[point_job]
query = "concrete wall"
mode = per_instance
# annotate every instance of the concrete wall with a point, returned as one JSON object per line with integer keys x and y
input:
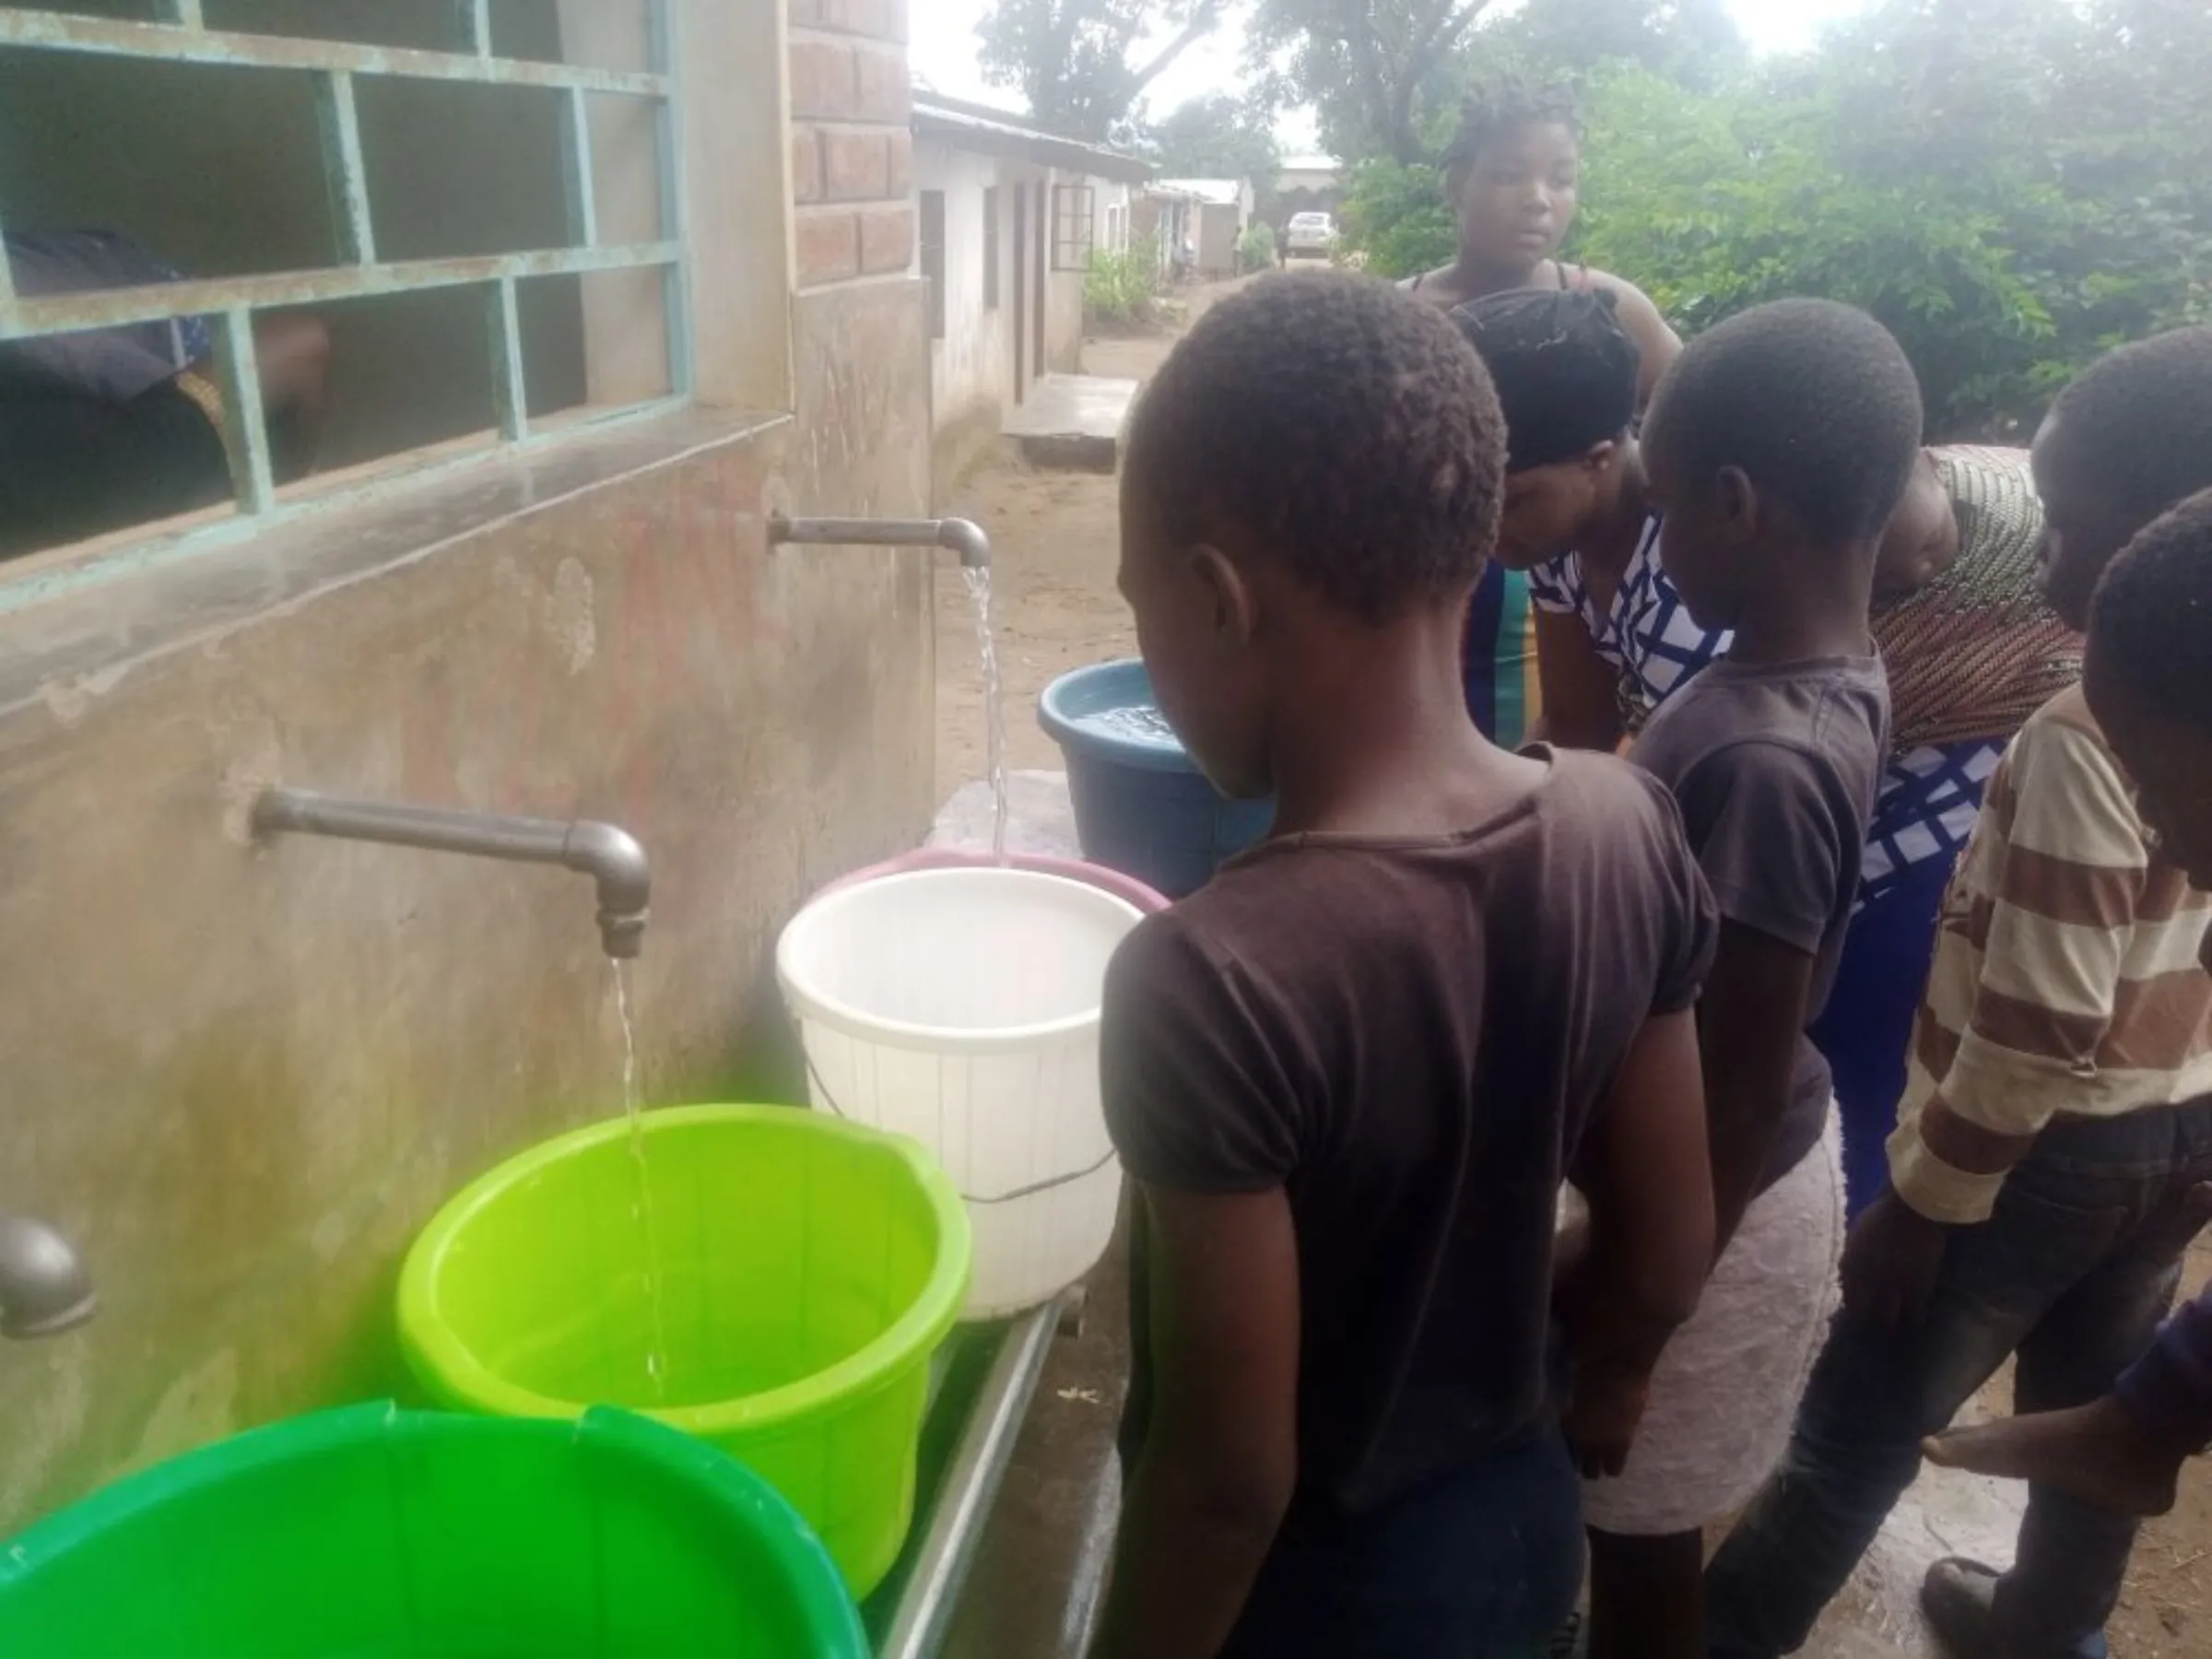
{"x": 241, "y": 1077}
{"x": 972, "y": 368}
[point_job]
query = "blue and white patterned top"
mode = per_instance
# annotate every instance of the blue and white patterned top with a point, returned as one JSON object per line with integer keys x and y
{"x": 1647, "y": 633}
{"x": 1930, "y": 795}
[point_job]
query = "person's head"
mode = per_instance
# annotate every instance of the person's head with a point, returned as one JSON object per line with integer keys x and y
{"x": 1512, "y": 173}
{"x": 1786, "y": 433}
{"x": 2148, "y": 677}
{"x": 1314, "y": 471}
{"x": 1566, "y": 375}
{"x": 2129, "y": 438}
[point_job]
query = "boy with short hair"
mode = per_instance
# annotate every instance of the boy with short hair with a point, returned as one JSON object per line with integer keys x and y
{"x": 1776, "y": 449}
{"x": 2150, "y": 688}
{"x": 1350, "y": 1074}
{"x": 2053, "y": 1131}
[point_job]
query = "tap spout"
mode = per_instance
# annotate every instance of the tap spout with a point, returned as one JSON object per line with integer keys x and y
{"x": 44, "y": 1288}
{"x": 962, "y": 537}
{"x": 611, "y": 856}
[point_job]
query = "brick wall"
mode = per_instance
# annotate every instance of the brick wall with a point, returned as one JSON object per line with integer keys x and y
{"x": 852, "y": 149}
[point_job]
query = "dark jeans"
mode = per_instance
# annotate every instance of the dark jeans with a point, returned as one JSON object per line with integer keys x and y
{"x": 1866, "y": 1030}
{"x": 1482, "y": 1564}
{"x": 2074, "y": 1272}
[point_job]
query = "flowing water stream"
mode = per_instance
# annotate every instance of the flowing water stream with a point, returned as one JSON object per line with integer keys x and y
{"x": 656, "y": 1353}
{"x": 995, "y": 713}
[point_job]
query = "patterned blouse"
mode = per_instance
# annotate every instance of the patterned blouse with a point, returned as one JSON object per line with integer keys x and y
{"x": 1971, "y": 656}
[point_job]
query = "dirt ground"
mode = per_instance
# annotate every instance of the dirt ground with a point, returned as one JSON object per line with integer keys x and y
{"x": 1055, "y": 550}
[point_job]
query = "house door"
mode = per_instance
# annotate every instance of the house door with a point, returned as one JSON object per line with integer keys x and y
{"x": 1021, "y": 288}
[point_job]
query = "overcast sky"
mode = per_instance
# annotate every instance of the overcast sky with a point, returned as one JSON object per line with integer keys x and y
{"x": 944, "y": 48}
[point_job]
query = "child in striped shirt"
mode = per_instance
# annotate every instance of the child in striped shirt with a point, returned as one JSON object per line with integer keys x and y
{"x": 2055, "y": 1126}
{"x": 2150, "y": 686}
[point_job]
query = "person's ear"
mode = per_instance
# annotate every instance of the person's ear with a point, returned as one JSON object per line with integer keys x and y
{"x": 1602, "y": 454}
{"x": 1235, "y": 610}
{"x": 1737, "y": 499}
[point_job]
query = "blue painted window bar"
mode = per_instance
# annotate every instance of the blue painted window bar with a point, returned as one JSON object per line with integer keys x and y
{"x": 182, "y": 35}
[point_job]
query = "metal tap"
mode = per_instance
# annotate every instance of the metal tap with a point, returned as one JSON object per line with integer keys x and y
{"x": 44, "y": 1288}
{"x": 611, "y": 857}
{"x": 960, "y": 535}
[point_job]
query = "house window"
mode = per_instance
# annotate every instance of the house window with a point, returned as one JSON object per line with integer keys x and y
{"x": 1073, "y": 205}
{"x": 990, "y": 248}
{"x": 933, "y": 258}
{"x": 477, "y": 206}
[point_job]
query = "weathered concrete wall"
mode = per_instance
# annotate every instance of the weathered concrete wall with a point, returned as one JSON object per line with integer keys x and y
{"x": 240, "y": 1078}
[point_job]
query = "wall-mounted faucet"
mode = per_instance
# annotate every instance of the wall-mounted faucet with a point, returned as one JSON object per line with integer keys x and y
{"x": 44, "y": 1288}
{"x": 610, "y": 856}
{"x": 960, "y": 535}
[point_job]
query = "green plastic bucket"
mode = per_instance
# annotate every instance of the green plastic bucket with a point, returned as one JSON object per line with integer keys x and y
{"x": 374, "y": 1532}
{"x": 808, "y": 1268}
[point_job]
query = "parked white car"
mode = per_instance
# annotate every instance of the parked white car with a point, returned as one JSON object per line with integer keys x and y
{"x": 1309, "y": 236}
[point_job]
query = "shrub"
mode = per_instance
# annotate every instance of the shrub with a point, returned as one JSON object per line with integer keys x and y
{"x": 1255, "y": 248}
{"x": 1123, "y": 288}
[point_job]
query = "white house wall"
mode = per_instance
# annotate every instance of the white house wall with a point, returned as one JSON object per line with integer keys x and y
{"x": 972, "y": 368}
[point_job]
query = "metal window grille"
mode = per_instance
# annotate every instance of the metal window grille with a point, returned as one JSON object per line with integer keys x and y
{"x": 1073, "y": 205}
{"x": 182, "y": 36}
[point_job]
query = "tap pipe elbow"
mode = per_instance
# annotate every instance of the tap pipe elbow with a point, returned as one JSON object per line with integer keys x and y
{"x": 616, "y": 861}
{"x": 965, "y": 537}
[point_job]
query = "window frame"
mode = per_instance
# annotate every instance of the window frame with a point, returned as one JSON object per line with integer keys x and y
{"x": 230, "y": 303}
{"x": 1074, "y": 226}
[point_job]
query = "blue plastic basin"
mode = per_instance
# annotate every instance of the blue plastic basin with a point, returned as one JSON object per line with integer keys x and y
{"x": 1141, "y": 806}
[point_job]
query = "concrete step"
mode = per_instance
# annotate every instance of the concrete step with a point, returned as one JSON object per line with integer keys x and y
{"x": 1072, "y": 422}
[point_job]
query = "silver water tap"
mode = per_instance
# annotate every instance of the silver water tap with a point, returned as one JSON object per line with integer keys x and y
{"x": 960, "y": 535}
{"x": 44, "y": 1288}
{"x": 612, "y": 857}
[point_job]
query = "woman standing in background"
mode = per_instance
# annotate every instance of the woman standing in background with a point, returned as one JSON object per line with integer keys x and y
{"x": 1512, "y": 176}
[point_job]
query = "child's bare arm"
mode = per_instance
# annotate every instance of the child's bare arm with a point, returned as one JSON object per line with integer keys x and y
{"x": 1644, "y": 1170}
{"x": 1220, "y": 1457}
{"x": 1581, "y": 697}
{"x": 1748, "y": 1025}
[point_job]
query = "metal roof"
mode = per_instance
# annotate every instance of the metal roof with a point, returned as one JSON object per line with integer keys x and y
{"x": 984, "y": 131}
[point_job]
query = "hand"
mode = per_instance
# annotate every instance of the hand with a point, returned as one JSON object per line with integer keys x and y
{"x": 1891, "y": 1263}
{"x": 1601, "y": 1422}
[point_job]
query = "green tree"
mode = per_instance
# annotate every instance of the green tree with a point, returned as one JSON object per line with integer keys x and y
{"x": 1693, "y": 41}
{"x": 1083, "y": 65}
{"x": 1218, "y": 136}
{"x": 1370, "y": 68}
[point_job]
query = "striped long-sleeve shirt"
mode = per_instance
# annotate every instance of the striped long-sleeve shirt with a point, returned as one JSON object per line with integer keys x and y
{"x": 2066, "y": 978}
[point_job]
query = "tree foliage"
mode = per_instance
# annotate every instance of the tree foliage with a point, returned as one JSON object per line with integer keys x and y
{"x": 2012, "y": 186}
{"x": 1083, "y": 65}
{"x": 1218, "y": 136}
{"x": 1362, "y": 64}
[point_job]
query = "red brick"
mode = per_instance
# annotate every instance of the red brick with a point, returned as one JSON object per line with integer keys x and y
{"x": 885, "y": 88}
{"x": 829, "y": 246}
{"x": 822, "y": 83}
{"x": 856, "y": 167}
{"x": 894, "y": 21}
{"x": 902, "y": 163}
{"x": 805, "y": 166}
{"x": 886, "y": 240}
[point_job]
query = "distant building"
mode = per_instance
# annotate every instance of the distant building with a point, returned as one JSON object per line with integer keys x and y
{"x": 1222, "y": 208}
{"x": 1009, "y": 217}
{"x": 1306, "y": 184}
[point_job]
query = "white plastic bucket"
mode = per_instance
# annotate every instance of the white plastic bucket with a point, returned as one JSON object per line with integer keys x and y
{"x": 960, "y": 1006}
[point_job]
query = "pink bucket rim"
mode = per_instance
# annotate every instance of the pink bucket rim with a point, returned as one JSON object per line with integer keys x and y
{"x": 1146, "y": 899}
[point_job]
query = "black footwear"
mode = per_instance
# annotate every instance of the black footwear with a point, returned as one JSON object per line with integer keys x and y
{"x": 1960, "y": 1597}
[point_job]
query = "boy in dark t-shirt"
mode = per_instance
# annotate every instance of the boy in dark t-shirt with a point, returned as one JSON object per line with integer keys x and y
{"x": 1349, "y": 1075}
{"x": 1777, "y": 448}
